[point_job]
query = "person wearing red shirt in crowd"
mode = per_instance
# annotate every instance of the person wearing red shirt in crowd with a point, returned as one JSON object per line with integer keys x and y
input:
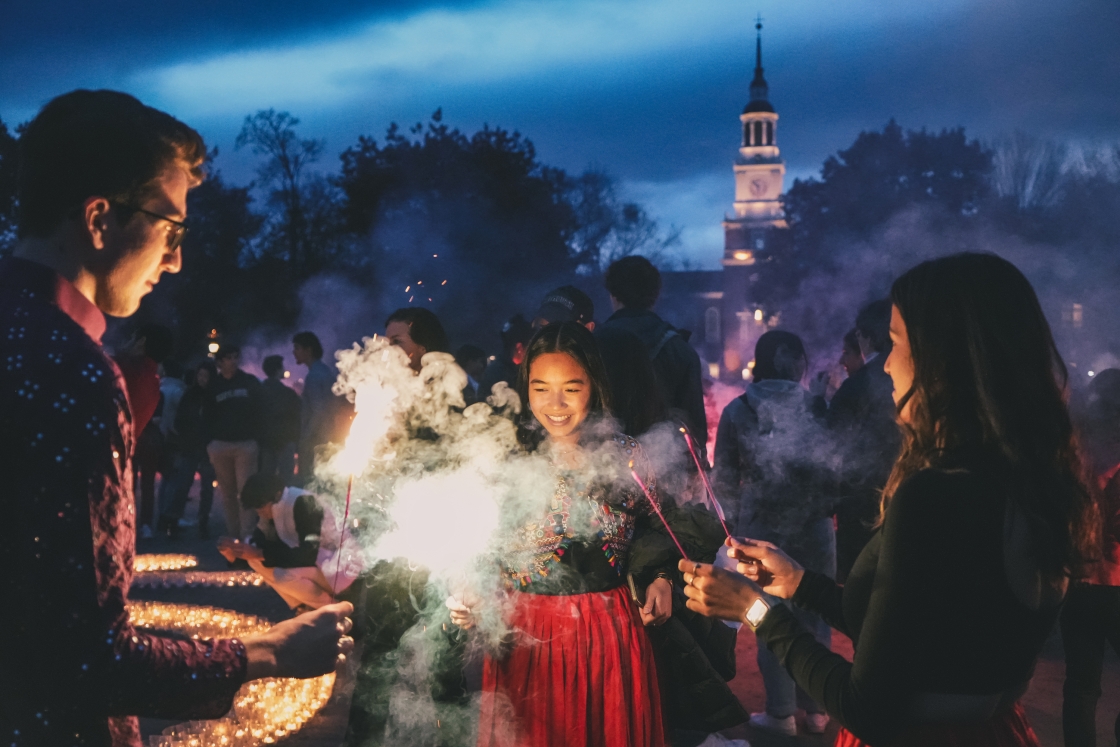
{"x": 139, "y": 362}
{"x": 103, "y": 199}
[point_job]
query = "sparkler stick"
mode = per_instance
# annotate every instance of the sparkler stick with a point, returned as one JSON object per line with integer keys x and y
{"x": 342, "y": 537}
{"x": 657, "y": 508}
{"x": 707, "y": 484}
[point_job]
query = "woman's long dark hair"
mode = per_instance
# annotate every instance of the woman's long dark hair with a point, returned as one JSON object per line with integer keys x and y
{"x": 988, "y": 380}
{"x": 574, "y": 340}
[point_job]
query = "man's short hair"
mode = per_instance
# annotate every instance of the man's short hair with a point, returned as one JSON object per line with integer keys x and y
{"x": 567, "y": 304}
{"x": 634, "y": 282}
{"x": 273, "y": 365}
{"x": 159, "y": 341}
{"x": 225, "y": 351}
{"x": 107, "y": 144}
{"x": 424, "y": 328}
{"x": 309, "y": 340}
{"x": 874, "y": 323}
{"x": 261, "y": 490}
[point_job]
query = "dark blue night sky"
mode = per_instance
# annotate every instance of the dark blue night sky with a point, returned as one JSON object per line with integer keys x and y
{"x": 650, "y": 90}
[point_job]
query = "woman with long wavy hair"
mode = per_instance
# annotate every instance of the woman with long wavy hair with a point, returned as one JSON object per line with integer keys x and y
{"x": 984, "y": 521}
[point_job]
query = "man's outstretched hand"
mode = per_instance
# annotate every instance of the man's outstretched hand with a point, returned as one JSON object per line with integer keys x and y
{"x": 309, "y": 645}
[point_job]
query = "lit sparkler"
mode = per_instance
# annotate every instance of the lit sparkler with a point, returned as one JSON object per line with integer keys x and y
{"x": 704, "y": 479}
{"x": 342, "y": 537}
{"x": 657, "y": 508}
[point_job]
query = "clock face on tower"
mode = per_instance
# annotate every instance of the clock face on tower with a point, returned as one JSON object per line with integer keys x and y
{"x": 758, "y": 187}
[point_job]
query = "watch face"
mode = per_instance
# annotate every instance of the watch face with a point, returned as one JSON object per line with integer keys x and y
{"x": 756, "y": 612}
{"x": 758, "y": 187}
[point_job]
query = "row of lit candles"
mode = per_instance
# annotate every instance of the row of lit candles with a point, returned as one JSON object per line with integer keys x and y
{"x": 165, "y": 562}
{"x": 192, "y": 579}
{"x": 264, "y": 711}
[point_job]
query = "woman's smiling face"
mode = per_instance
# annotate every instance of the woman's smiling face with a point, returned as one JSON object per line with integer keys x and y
{"x": 559, "y": 395}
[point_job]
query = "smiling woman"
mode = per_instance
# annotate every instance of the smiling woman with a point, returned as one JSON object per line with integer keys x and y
{"x": 581, "y": 671}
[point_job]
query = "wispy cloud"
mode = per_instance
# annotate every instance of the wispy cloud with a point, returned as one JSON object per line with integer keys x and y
{"x": 479, "y": 46}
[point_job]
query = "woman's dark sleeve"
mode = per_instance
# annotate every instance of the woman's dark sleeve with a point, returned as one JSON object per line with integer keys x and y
{"x": 919, "y": 563}
{"x": 819, "y": 594}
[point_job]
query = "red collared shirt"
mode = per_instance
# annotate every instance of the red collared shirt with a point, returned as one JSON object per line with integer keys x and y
{"x": 73, "y": 669}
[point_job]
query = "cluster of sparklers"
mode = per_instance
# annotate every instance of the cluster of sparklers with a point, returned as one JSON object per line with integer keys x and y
{"x": 264, "y": 711}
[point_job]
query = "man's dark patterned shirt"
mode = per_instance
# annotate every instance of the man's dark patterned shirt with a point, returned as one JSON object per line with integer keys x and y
{"x": 73, "y": 669}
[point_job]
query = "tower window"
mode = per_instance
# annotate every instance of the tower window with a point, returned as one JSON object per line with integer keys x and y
{"x": 758, "y": 133}
{"x": 769, "y": 133}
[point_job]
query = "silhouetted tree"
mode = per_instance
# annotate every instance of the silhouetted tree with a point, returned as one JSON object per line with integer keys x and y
{"x": 882, "y": 173}
{"x": 8, "y": 146}
{"x": 272, "y": 134}
{"x": 608, "y": 228}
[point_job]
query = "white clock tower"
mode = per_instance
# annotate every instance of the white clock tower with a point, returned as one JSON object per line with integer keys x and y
{"x": 756, "y": 232}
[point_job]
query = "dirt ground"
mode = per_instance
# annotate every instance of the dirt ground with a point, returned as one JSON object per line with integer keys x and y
{"x": 1043, "y": 702}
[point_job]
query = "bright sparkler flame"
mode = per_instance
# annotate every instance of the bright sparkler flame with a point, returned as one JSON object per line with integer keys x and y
{"x": 442, "y": 521}
{"x": 373, "y": 405}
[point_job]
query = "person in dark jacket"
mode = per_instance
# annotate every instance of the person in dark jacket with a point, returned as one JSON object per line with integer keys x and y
{"x": 191, "y": 458}
{"x": 770, "y": 478}
{"x": 232, "y": 421}
{"x": 861, "y": 417}
{"x": 635, "y": 284}
{"x": 279, "y": 422}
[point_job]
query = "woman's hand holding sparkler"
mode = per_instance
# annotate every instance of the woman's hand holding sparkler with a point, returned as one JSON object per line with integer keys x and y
{"x": 715, "y": 592}
{"x": 659, "y": 603}
{"x": 461, "y": 613}
{"x": 766, "y": 565}
{"x": 306, "y": 646}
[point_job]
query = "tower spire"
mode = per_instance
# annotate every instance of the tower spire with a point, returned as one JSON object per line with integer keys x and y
{"x": 760, "y": 91}
{"x": 758, "y": 45}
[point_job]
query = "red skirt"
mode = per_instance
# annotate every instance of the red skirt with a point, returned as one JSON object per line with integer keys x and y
{"x": 581, "y": 672}
{"x": 1008, "y": 728}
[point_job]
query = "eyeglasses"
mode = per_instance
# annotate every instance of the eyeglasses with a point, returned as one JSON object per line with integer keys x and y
{"x": 176, "y": 235}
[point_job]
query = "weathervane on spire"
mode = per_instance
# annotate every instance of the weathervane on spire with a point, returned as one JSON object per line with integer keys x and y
{"x": 758, "y": 22}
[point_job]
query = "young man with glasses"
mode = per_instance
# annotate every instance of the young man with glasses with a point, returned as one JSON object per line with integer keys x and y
{"x": 103, "y": 197}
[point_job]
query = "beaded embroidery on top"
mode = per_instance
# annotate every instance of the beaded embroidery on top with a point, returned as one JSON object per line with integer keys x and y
{"x": 543, "y": 544}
